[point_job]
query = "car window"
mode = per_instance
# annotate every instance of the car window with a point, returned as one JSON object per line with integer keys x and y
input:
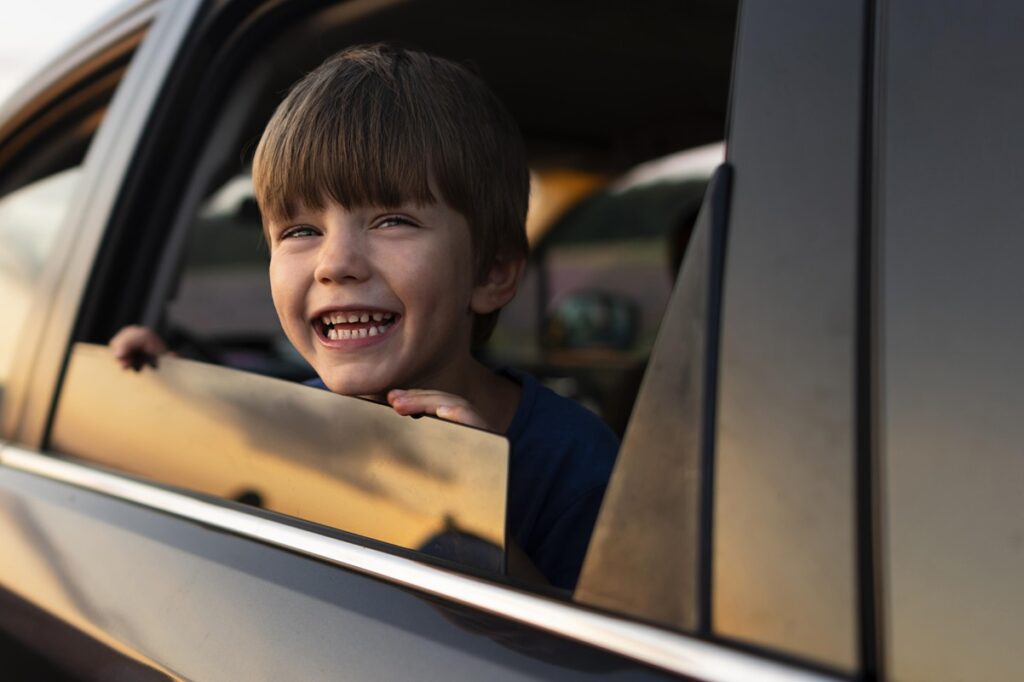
{"x": 29, "y": 221}
{"x": 40, "y": 172}
{"x": 656, "y": 496}
{"x": 610, "y": 247}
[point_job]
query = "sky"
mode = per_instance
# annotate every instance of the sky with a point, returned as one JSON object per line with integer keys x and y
{"x": 34, "y": 31}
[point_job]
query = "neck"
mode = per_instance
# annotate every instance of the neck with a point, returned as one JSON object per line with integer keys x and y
{"x": 494, "y": 396}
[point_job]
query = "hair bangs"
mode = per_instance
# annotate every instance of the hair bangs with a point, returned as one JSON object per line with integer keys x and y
{"x": 358, "y": 145}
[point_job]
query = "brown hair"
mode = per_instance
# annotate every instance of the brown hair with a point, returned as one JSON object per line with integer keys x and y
{"x": 374, "y": 123}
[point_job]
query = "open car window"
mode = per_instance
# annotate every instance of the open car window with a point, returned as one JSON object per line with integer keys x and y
{"x": 621, "y": 193}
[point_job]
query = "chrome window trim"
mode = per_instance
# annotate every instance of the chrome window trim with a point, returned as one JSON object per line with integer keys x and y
{"x": 670, "y": 651}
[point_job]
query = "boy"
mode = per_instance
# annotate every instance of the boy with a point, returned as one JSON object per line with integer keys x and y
{"x": 393, "y": 187}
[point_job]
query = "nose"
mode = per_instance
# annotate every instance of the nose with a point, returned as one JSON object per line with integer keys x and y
{"x": 342, "y": 258}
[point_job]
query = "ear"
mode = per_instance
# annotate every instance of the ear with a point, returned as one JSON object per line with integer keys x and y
{"x": 499, "y": 286}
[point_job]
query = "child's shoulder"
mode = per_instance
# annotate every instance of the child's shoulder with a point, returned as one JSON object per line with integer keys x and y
{"x": 561, "y": 458}
{"x": 553, "y": 423}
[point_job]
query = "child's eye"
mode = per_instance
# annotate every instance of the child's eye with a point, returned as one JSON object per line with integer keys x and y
{"x": 394, "y": 221}
{"x": 298, "y": 231}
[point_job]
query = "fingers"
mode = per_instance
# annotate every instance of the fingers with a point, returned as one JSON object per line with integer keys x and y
{"x": 443, "y": 405}
{"x": 461, "y": 414}
{"x": 134, "y": 346}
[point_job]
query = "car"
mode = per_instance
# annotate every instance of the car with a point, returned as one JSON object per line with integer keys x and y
{"x": 774, "y": 246}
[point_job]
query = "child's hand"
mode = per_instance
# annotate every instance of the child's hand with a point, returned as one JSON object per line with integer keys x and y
{"x": 445, "y": 406}
{"x": 135, "y": 346}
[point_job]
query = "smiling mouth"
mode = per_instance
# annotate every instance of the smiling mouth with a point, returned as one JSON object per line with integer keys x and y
{"x": 354, "y": 324}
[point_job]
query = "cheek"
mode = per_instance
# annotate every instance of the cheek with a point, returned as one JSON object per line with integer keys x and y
{"x": 438, "y": 277}
{"x": 284, "y": 289}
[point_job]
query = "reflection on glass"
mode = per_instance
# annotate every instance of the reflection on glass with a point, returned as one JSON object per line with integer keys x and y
{"x": 29, "y": 218}
{"x": 343, "y": 462}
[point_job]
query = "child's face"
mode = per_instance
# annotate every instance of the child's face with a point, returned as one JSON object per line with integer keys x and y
{"x": 375, "y": 298}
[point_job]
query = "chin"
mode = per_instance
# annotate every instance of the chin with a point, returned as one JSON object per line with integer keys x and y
{"x": 341, "y": 383}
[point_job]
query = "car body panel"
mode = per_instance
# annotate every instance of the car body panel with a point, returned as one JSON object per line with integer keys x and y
{"x": 262, "y": 581}
{"x": 950, "y": 334}
{"x": 784, "y": 493}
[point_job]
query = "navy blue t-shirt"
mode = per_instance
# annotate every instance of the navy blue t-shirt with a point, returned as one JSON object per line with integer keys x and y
{"x": 560, "y": 458}
{"x": 560, "y": 461}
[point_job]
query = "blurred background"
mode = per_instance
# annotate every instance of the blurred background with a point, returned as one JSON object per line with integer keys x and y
{"x": 34, "y": 31}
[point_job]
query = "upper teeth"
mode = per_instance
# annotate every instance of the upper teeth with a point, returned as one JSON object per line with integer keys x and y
{"x": 355, "y": 316}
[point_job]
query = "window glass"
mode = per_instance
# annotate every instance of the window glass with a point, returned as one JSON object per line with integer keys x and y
{"x": 29, "y": 219}
{"x": 342, "y": 462}
{"x": 42, "y": 148}
{"x": 657, "y": 477}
